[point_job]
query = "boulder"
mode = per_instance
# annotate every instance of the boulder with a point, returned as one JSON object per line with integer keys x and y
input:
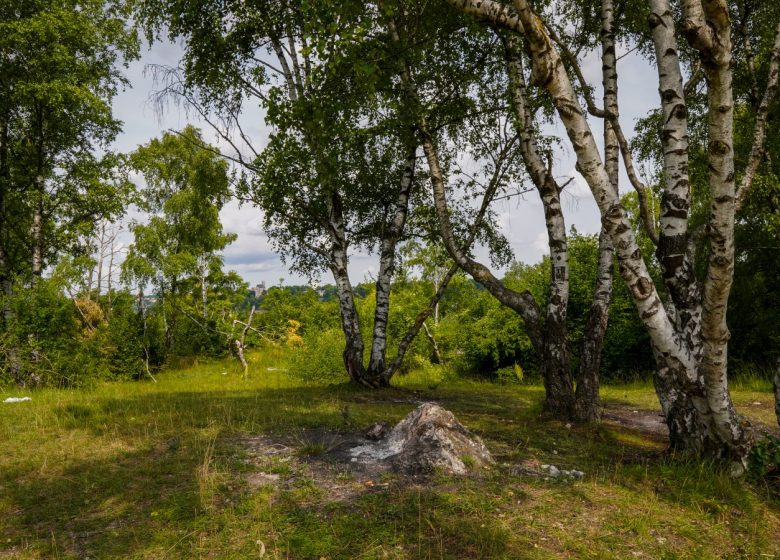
{"x": 429, "y": 438}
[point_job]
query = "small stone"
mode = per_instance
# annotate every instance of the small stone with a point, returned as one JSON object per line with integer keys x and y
{"x": 577, "y": 474}
{"x": 736, "y": 469}
{"x": 377, "y": 431}
{"x": 568, "y": 425}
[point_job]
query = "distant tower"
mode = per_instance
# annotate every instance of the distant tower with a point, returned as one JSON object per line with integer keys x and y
{"x": 259, "y": 290}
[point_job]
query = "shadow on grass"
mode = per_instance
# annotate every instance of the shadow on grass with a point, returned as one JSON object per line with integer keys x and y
{"x": 100, "y": 508}
{"x": 157, "y": 491}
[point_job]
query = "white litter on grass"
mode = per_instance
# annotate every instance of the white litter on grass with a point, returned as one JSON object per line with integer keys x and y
{"x": 16, "y": 399}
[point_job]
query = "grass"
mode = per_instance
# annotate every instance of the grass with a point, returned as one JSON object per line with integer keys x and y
{"x": 145, "y": 470}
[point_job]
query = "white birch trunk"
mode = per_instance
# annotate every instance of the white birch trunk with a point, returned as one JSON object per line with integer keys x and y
{"x": 37, "y": 229}
{"x": 390, "y": 236}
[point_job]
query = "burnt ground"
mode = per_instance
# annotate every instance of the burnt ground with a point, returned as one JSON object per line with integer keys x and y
{"x": 318, "y": 455}
{"x": 322, "y": 455}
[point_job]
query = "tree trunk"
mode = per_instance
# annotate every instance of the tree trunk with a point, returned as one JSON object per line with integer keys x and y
{"x": 776, "y": 384}
{"x": 435, "y": 354}
{"x": 37, "y": 229}
{"x": 713, "y": 25}
{"x": 101, "y": 256}
{"x": 587, "y": 404}
{"x": 353, "y": 350}
{"x": 419, "y": 321}
{"x": 204, "y": 287}
{"x": 350, "y": 322}
{"x": 240, "y": 343}
{"x": 39, "y": 194}
{"x": 390, "y": 236}
{"x": 5, "y": 272}
{"x": 690, "y": 338}
{"x": 7, "y": 286}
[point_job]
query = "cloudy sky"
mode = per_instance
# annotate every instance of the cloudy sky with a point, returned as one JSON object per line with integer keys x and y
{"x": 252, "y": 255}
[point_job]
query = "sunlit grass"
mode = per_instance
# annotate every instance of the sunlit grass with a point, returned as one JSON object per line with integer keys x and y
{"x": 157, "y": 470}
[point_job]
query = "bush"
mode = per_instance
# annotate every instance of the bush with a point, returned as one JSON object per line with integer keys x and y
{"x": 765, "y": 461}
{"x": 320, "y": 357}
{"x": 53, "y": 340}
{"x": 509, "y": 375}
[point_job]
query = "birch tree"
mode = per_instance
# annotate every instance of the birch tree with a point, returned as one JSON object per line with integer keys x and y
{"x": 186, "y": 185}
{"x": 338, "y": 173}
{"x": 688, "y": 332}
{"x": 547, "y": 328}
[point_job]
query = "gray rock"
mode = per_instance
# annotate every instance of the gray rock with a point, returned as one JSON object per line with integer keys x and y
{"x": 377, "y": 431}
{"x": 430, "y": 437}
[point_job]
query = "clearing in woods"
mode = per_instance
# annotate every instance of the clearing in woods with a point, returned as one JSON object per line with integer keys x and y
{"x": 204, "y": 464}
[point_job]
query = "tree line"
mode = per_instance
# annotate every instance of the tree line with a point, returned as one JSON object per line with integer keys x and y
{"x": 395, "y": 129}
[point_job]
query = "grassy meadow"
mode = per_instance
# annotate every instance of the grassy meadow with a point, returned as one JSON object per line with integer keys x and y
{"x": 205, "y": 464}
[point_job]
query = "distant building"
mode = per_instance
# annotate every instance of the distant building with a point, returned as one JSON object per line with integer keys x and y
{"x": 259, "y": 290}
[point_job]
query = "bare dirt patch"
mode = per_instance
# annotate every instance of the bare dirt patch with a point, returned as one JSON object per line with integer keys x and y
{"x": 651, "y": 423}
{"x": 645, "y": 421}
{"x": 317, "y": 455}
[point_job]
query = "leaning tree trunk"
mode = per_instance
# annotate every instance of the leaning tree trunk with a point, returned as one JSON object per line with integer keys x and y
{"x": 419, "y": 322}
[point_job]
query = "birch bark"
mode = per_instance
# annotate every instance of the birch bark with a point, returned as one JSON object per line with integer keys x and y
{"x": 708, "y": 29}
{"x": 694, "y": 393}
{"x": 350, "y": 323}
{"x": 587, "y": 407}
{"x": 390, "y": 236}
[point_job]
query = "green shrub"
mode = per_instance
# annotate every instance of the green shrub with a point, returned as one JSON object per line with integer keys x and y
{"x": 765, "y": 461}
{"x": 510, "y": 374}
{"x": 320, "y": 357}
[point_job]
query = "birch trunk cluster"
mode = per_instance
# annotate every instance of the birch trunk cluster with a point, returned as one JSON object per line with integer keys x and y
{"x": 546, "y": 328}
{"x": 689, "y": 333}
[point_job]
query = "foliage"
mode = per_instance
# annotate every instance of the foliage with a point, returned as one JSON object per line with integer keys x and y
{"x": 54, "y": 340}
{"x": 765, "y": 461}
{"x": 61, "y": 67}
{"x": 177, "y": 251}
{"x": 319, "y": 357}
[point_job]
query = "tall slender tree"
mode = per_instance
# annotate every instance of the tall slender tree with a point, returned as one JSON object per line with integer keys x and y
{"x": 61, "y": 66}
